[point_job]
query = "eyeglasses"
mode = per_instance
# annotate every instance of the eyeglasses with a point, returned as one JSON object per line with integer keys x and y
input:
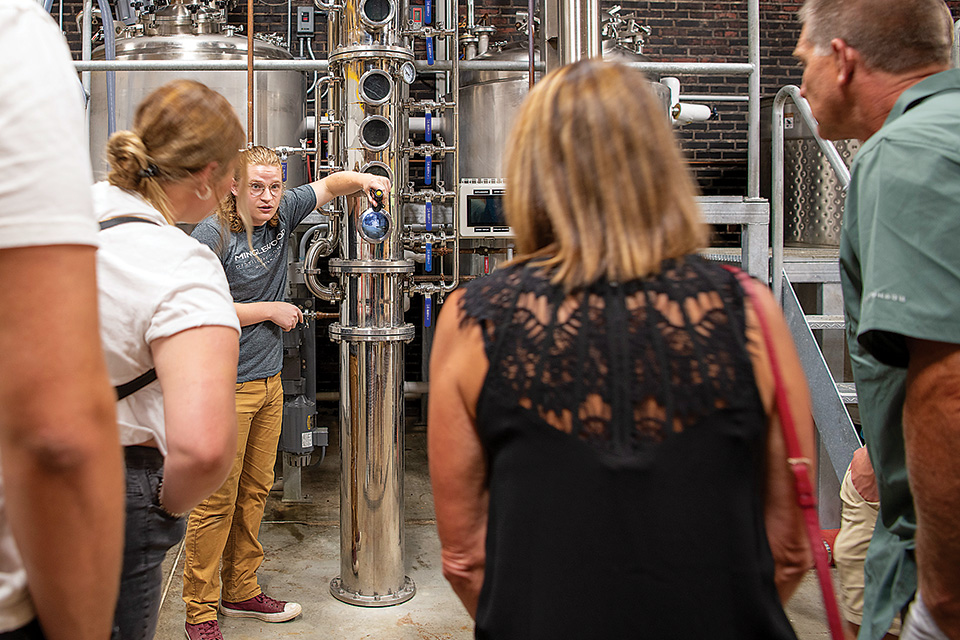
{"x": 256, "y": 188}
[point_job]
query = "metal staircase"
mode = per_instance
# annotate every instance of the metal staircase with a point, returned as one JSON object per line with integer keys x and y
{"x": 837, "y": 436}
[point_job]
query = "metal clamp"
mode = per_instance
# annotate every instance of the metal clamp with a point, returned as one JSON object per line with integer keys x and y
{"x": 405, "y": 333}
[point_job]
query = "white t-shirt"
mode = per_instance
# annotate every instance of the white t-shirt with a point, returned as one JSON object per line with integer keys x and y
{"x": 45, "y": 182}
{"x": 154, "y": 281}
{"x": 45, "y": 172}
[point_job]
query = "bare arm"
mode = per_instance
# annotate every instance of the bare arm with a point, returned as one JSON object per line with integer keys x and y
{"x": 343, "y": 183}
{"x": 784, "y": 519}
{"x": 198, "y": 371}
{"x": 283, "y": 314}
{"x": 931, "y": 427}
{"x": 61, "y": 457}
{"x": 457, "y": 468}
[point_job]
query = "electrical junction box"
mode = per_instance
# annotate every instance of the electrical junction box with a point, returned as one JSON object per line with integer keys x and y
{"x": 305, "y": 21}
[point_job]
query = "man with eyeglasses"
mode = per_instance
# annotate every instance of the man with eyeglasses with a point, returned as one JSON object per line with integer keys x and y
{"x": 223, "y": 530}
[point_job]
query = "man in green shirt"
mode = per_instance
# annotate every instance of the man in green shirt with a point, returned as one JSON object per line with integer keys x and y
{"x": 877, "y": 70}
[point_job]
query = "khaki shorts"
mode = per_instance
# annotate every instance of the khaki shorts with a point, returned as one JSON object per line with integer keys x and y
{"x": 857, "y": 520}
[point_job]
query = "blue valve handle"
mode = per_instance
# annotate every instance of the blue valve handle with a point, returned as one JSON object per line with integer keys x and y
{"x": 427, "y": 11}
{"x": 428, "y": 169}
{"x": 428, "y": 126}
{"x": 430, "y": 51}
{"x": 427, "y": 310}
{"x": 429, "y": 212}
{"x": 428, "y": 265}
{"x": 378, "y": 199}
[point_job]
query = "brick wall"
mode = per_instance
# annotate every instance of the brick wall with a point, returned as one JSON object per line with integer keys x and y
{"x": 681, "y": 31}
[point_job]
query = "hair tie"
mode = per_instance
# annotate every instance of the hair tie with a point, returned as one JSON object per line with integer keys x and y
{"x": 149, "y": 172}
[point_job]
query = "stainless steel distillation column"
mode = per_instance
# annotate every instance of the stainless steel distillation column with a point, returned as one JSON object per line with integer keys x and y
{"x": 366, "y": 65}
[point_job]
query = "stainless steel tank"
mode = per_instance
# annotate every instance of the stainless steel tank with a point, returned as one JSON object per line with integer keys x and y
{"x": 813, "y": 198}
{"x": 278, "y": 95}
{"x": 490, "y": 100}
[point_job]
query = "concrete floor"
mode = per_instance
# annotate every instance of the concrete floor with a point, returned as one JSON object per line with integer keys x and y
{"x": 301, "y": 543}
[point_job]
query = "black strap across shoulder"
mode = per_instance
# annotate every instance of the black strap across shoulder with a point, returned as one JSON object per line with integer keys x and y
{"x": 112, "y": 222}
{"x": 145, "y": 378}
{"x": 142, "y": 380}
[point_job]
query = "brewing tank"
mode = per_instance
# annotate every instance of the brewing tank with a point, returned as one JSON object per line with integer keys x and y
{"x": 278, "y": 95}
{"x": 813, "y": 197}
{"x": 490, "y": 100}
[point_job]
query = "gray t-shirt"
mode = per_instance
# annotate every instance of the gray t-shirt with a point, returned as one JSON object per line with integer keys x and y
{"x": 261, "y": 344}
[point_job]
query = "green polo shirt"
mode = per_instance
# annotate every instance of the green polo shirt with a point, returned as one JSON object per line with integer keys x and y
{"x": 900, "y": 270}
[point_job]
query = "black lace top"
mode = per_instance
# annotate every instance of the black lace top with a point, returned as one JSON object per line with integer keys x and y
{"x": 625, "y": 439}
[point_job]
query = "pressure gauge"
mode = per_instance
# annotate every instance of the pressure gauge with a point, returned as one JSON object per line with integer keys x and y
{"x": 408, "y": 72}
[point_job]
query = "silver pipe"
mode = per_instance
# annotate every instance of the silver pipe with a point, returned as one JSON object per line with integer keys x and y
{"x": 709, "y": 97}
{"x": 200, "y": 65}
{"x": 316, "y": 77}
{"x": 86, "y": 50}
{"x": 579, "y": 30}
{"x": 792, "y": 92}
{"x": 305, "y": 238}
{"x": 418, "y": 124}
{"x": 663, "y": 68}
{"x": 321, "y": 248}
{"x": 666, "y": 68}
{"x": 456, "y": 165}
{"x": 753, "y": 109}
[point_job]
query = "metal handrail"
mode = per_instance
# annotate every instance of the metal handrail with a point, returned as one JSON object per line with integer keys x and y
{"x": 753, "y": 106}
{"x": 956, "y": 43}
{"x": 776, "y": 206}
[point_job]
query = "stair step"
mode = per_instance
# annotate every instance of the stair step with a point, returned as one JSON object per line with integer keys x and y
{"x": 825, "y": 321}
{"x": 812, "y": 264}
{"x": 848, "y": 392}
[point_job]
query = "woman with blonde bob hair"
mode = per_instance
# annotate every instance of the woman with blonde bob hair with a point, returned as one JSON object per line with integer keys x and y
{"x": 169, "y": 329}
{"x": 601, "y": 409}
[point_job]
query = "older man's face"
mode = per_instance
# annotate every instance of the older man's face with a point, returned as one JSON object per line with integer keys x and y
{"x": 821, "y": 88}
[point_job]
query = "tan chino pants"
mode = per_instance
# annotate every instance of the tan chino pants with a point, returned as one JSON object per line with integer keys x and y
{"x": 225, "y": 527}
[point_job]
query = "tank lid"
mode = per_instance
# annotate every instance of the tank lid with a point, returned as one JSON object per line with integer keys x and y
{"x": 190, "y": 46}
{"x": 174, "y": 19}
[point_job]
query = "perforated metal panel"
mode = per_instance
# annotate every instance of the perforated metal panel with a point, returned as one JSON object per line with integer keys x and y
{"x": 813, "y": 199}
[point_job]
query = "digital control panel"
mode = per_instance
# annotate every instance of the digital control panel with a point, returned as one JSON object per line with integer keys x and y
{"x": 481, "y": 210}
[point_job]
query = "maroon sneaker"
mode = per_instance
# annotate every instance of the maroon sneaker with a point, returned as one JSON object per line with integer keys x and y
{"x": 261, "y": 607}
{"x": 208, "y": 630}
